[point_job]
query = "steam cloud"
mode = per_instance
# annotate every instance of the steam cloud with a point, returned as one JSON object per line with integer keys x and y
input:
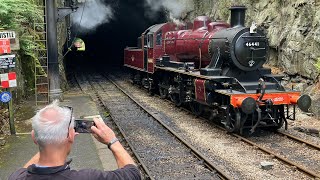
{"x": 91, "y": 14}
{"x": 175, "y": 7}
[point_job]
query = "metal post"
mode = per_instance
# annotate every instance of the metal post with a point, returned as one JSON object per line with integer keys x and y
{"x": 11, "y": 117}
{"x": 52, "y": 46}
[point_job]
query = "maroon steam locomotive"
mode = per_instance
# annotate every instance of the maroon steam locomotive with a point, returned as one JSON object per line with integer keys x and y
{"x": 217, "y": 68}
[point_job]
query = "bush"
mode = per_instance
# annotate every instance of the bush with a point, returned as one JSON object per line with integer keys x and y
{"x": 20, "y": 15}
{"x": 317, "y": 65}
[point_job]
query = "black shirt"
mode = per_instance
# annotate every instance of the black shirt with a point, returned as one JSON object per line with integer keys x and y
{"x": 63, "y": 172}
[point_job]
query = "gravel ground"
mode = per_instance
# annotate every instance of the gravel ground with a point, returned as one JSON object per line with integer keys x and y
{"x": 165, "y": 156}
{"x": 304, "y": 121}
{"x": 236, "y": 157}
{"x": 73, "y": 86}
{"x": 295, "y": 151}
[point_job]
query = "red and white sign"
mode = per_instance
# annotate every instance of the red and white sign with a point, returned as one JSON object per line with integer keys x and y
{"x": 8, "y": 80}
{"x": 5, "y": 46}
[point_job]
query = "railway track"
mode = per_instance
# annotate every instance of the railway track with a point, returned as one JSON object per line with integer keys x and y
{"x": 86, "y": 87}
{"x": 160, "y": 151}
{"x": 280, "y": 157}
{"x": 300, "y": 140}
{"x": 275, "y": 154}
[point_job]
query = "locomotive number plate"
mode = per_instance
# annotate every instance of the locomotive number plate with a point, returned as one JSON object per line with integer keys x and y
{"x": 252, "y": 44}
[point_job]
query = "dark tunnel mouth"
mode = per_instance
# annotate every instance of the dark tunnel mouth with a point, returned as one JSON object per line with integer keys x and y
{"x": 105, "y": 45}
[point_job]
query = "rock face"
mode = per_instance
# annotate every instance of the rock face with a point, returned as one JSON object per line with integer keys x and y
{"x": 293, "y": 29}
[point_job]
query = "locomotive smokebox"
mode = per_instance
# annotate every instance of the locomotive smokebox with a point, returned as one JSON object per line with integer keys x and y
{"x": 238, "y": 15}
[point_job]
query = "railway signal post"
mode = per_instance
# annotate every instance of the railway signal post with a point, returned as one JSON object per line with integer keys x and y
{"x": 8, "y": 79}
{"x": 53, "y": 15}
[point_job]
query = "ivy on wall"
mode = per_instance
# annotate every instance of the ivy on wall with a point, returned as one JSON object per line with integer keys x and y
{"x": 318, "y": 64}
{"x": 20, "y": 15}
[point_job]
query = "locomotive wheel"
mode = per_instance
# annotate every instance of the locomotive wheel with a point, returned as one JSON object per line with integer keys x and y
{"x": 132, "y": 78}
{"x": 150, "y": 91}
{"x": 281, "y": 118}
{"x": 163, "y": 92}
{"x": 150, "y": 88}
{"x": 196, "y": 108}
{"x": 279, "y": 123}
{"x": 176, "y": 99}
{"x": 137, "y": 80}
{"x": 233, "y": 119}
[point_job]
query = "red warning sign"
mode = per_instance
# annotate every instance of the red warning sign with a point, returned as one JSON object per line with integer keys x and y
{"x": 8, "y": 80}
{"x": 5, "y": 46}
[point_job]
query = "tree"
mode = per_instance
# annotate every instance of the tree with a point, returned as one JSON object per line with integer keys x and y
{"x": 20, "y": 15}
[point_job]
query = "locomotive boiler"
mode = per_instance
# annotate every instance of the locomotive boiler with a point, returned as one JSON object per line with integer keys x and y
{"x": 216, "y": 68}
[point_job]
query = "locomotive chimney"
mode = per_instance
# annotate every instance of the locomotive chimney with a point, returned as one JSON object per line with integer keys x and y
{"x": 238, "y": 15}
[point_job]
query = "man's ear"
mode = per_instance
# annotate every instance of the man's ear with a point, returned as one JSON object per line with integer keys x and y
{"x": 71, "y": 135}
{"x": 33, "y": 137}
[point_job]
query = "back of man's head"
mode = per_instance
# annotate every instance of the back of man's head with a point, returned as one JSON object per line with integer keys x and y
{"x": 51, "y": 124}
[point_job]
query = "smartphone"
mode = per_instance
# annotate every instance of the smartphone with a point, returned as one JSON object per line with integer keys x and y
{"x": 83, "y": 125}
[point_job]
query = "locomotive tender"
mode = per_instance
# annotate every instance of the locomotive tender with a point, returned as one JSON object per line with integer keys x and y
{"x": 216, "y": 68}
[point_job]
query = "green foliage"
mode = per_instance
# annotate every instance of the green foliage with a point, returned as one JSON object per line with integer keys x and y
{"x": 20, "y": 15}
{"x": 317, "y": 65}
{"x": 224, "y": 11}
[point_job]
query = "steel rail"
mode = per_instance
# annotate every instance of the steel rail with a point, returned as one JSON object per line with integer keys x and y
{"x": 144, "y": 167}
{"x": 199, "y": 155}
{"x": 315, "y": 146}
{"x": 282, "y": 158}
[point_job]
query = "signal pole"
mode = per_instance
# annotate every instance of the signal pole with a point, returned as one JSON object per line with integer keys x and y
{"x": 53, "y": 15}
{"x": 52, "y": 43}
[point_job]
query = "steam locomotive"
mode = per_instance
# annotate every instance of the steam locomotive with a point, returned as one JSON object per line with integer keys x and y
{"x": 216, "y": 68}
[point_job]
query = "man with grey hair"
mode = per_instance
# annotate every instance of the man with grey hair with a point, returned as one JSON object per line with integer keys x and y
{"x": 53, "y": 131}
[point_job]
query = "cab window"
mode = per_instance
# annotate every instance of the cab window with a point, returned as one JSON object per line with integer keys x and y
{"x": 159, "y": 38}
{"x": 150, "y": 40}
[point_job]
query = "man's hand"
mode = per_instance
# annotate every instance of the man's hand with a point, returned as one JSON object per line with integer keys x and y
{"x": 102, "y": 132}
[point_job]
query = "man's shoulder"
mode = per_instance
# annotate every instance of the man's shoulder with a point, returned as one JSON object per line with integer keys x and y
{"x": 18, "y": 174}
{"x": 127, "y": 172}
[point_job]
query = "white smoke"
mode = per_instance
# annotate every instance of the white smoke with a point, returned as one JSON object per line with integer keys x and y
{"x": 175, "y": 7}
{"x": 176, "y": 21}
{"x": 91, "y": 14}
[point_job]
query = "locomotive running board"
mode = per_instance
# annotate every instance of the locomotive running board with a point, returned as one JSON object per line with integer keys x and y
{"x": 197, "y": 74}
{"x": 139, "y": 69}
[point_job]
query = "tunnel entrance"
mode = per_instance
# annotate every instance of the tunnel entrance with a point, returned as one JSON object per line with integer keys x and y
{"x": 105, "y": 43}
